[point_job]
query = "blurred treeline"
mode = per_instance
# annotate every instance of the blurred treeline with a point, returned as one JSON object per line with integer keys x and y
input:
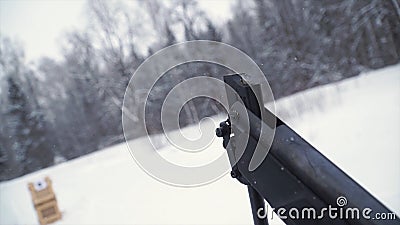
{"x": 58, "y": 109}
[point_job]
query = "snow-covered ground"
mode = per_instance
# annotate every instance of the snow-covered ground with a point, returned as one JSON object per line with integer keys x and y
{"x": 355, "y": 123}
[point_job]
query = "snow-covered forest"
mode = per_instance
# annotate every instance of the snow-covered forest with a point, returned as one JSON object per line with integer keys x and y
{"x": 106, "y": 187}
{"x": 54, "y": 110}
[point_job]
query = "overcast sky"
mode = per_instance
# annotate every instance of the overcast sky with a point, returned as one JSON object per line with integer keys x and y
{"x": 40, "y": 24}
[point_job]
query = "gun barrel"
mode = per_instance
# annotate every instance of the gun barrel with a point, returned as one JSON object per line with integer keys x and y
{"x": 294, "y": 174}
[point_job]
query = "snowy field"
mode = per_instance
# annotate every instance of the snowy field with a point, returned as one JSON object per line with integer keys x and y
{"x": 355, "y": 123}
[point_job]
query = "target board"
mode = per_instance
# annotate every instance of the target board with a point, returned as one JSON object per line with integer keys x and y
{"x": 44, "y": 201}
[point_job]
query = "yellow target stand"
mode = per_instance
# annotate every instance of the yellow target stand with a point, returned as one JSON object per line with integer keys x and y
{"x": 44, "y": 201}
